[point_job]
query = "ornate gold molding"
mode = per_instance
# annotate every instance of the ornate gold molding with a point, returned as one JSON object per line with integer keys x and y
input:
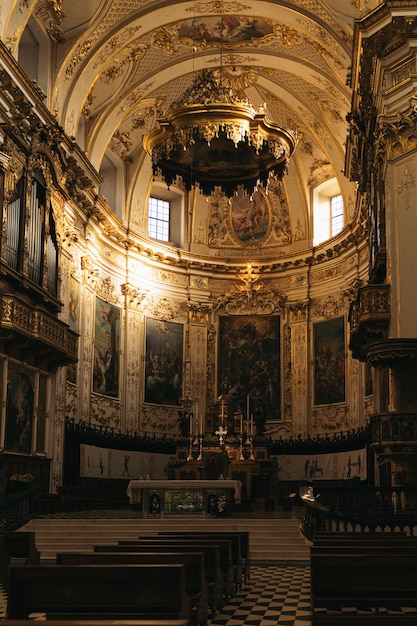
{"x": 369, "y": 317}
{"x": 22, "y": 324}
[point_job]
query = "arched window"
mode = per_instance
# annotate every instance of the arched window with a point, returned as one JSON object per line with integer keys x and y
{"x": 166, "y": 215}
{"x": 328, "y": 211}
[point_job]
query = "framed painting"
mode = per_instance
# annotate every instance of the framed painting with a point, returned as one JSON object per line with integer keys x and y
{"x": 73, "y": 321}
{"x": 19, "y": 408}
{"x": 228, "y": 29}
{"x": 250, "y": 215}
{"x": 106, "y": 349}
{"x": 249, "y": 366}
{"x": 163, "y": 362}
{"x": 329, "y": 361}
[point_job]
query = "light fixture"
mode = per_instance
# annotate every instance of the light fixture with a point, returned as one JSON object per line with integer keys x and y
{"x": 213, "y": 137}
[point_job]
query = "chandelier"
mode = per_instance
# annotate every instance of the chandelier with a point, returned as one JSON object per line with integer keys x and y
{"x": 213, "y": 137}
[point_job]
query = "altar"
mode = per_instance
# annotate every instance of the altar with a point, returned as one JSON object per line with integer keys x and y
{"x": 212, "y": 497}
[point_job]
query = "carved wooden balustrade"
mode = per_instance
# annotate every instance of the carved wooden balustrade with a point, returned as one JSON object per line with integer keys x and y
{"x": 359, "y": 510}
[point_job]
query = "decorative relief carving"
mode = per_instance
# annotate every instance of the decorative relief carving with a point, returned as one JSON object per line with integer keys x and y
{"x": 330, "y": 418}
{"x": 132, "y": 373}
{"x": 399, "y": 136}
{"x": 299, "y": 385}
{"x": 102, "y": 285}
{"x": 155, "y": 421}
{"x": 199, "y": 312}
{"x": 71, "y": 402}
{"x": 51, "y": 14}
{"x": 161, "y": 308}
{"x": 211, "y": 363}
{"x": 104, "y": 411}
{"x": 287, "y": 374}
{"x": 134, "y": 296}
{"x": 262, "y": 300}
{"x": 198, "y": 343}
{"x": 406, "y": 184}
{"x": 221, "y": 232}
{"x": 329, "y": 308}
{"x": 298, "y": 311}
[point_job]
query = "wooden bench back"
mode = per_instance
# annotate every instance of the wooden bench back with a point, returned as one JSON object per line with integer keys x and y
{"x": 363, "y": 578}
{"x": 16, "y": 544}
{"x": 145, "y": 591}
{"x": 193, "y": 562}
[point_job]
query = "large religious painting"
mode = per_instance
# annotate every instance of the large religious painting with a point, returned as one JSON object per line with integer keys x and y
{"x": 227, "y": 29}
{"x": 19, "y": 408}
{"x": 106, "y": 349}
{"x": 250, "y": 216}
{"x": 249, "y": 365}
{"x": 163, "y": 362}
{"x": 329, "y": 361}
{"x": 73, "y": 321}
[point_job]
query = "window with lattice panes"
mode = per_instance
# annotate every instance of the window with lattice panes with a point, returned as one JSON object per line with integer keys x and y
{"x": 158, "y": 218}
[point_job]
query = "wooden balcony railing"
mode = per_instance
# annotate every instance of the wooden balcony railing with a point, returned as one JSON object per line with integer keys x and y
{"x": 362, "y": 510}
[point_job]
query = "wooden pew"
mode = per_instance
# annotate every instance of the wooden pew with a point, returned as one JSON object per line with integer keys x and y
{"x": 196, "y": 585}
{"x": 16, "y": 544}
{"x": 225, "y": 548}
{"x": 235, "y": 538}
{"x": 212, "y": 569}
{"x": 96, "y": 622}
{"x": 98, "y": 591}
{"x": 373, "y": 577}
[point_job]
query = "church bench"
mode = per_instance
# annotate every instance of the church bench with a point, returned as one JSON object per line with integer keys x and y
{"x": 99, "y": 622}
{"x": 196, "y": 585}
{"x": 98, "y": 591}
{"x": 370, "y": 578}
{"x": 235, "y": 539}
{"x": 16, "y": 545}
{"x": 225, "y": 551}
{"x": 212, "y": 569}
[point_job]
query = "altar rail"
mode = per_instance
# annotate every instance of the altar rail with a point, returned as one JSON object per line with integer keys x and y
{"x": 362, "y": 510}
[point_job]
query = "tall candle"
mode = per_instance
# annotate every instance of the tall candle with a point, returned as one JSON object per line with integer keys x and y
{"x": 222, "y": 412}
{"x": 247, "y": 407}
{"x": 241, "y": 424}
{"x": 201, "y": 423}
{"x": 251, "y": 425}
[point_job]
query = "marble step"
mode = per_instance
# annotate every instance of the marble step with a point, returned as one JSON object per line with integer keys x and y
{"x": 272, "y": 540}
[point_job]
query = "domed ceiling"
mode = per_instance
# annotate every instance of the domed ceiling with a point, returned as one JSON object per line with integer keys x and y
{"x": 119, "y": 64}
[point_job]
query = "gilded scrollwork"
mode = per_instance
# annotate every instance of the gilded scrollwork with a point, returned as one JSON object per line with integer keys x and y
{"x": 262, "y": 300}
{"x": 330, "y": 418}
{"x": 134, "y": 295}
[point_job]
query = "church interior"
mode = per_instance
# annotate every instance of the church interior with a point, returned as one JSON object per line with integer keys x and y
{"x": 208, "y": 265}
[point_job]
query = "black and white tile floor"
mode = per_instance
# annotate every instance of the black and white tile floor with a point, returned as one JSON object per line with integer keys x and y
{"x": 275, "y": 595}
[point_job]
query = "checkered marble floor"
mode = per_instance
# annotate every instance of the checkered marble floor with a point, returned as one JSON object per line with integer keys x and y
{"x": 275, "y": 595}
{"x": 278, "y": 595}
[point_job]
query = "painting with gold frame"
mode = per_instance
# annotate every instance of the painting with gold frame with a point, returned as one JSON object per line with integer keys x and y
{"x": 249, "y": 365}
{"x": 329, "y": 361}
{"x": 163, "y": 362}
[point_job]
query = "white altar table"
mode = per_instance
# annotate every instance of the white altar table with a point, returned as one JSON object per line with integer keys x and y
{"x": 182, "y": 496}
